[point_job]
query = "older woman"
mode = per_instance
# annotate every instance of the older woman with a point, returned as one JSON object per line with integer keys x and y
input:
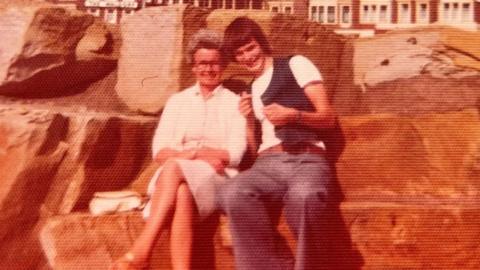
{"x": 200, "y": 139}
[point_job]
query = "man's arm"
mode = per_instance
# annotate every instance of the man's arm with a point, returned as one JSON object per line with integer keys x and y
{"x": 246, "y": 109}
{"x": 323, "y": 117}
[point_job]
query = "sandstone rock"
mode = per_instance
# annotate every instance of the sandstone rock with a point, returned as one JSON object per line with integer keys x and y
{"x": 53, "y": 161}
{"x": 86, "y": 242}
{"x": 40, "y": 49}
{"x": 431, "y": 156}
{"x": 397, "y": 234}
{"x": 409, "y": 72}
{"x": 146, "y": 85}
{"x": 415, "y": 234}
{"x": 82, "y": 241}
{"x": 150, "y": 66}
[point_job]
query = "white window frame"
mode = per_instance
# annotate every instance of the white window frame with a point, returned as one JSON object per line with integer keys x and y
{"x": 407, "y": 17}
{"x": 387, "y": 18}
{"x": 349, "y": 15}
{"x": 111, "y": 16}
{"x": 365, "y": 13}
{"x": 314, "y": 13}
{"x": 468, "y": 16}
{"x": 418, "y": 13}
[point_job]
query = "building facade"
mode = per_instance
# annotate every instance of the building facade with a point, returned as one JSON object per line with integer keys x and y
{"x": 390, "y": 14}
{"x": 113, "y": 11}
{"x": 344, "y": 15}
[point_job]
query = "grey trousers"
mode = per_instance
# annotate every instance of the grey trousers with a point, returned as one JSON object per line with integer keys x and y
{"x": 252, "y": 200}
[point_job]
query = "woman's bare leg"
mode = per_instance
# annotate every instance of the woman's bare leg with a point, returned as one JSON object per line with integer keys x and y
{"x": 181, "y": 234}
{"x": 162, "y": 207}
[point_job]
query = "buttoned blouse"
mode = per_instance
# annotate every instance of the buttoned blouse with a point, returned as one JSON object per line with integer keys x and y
{"x": 191, "y": 121}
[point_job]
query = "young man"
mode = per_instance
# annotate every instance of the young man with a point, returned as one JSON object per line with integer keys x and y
{"x": 291, "y": 172}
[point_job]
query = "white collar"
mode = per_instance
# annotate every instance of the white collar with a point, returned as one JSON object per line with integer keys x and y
{"x": 217, "y": 90}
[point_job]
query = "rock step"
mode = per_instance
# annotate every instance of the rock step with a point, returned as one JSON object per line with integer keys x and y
{"x": 383, "y": 235}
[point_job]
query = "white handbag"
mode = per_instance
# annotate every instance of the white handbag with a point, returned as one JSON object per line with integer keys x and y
{"x": 115, "y": 201}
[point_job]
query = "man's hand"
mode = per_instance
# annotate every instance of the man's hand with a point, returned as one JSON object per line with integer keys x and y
{"x": 279, "y": 115}
{"x": 245, "y": 105}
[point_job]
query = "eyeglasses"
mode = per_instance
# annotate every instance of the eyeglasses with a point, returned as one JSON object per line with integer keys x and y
{"x": 205, "y": 65}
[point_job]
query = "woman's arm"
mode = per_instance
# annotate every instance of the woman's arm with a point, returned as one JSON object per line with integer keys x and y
{"x": 166, "y": 153}
{"x": 165, "y": 142}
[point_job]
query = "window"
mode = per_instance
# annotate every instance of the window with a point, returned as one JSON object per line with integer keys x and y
{"x": 275, "y": 9}
{"x": 383, "y": 14}
{"x": 404, "y": 13}
{"x": 446, "y": 11}
{"x": 455, "y": 9}
{"x": 313, "y": 14}
{"x": 288, "y": 10}
{"x": 373, "y": 13}
{"x": 111, "y": 16}
{"x": 423, "y": 13}
{"x": 346, "y": 14}
{"x": 466, "y": 12}
{"x": 321, "y": 15}
{"x": 94, "y": 12}
{"x": 331, "y": 14}
{"x": 365, "y": 14}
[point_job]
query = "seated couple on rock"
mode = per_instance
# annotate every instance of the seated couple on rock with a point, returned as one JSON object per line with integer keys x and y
{"x": 202, "y": 136}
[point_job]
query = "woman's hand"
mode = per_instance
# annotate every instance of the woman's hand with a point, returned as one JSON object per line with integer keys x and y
{"x": 187, "y": 154}
{"x": 280, "y": 115}
{"x": 213, "y": 157}
{"x": 217, "y": 165}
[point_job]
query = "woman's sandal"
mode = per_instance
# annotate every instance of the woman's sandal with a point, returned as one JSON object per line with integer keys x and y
{"x": 127, "y": 262}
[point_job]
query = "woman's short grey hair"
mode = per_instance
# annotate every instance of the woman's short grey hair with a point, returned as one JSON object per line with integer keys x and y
{"x": 204, "y": 39}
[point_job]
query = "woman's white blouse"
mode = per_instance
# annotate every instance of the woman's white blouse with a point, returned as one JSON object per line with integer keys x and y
{"x": 191, "y": 121}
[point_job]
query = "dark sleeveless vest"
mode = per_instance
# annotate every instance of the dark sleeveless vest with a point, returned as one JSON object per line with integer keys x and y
{"x": 284, "y": 90}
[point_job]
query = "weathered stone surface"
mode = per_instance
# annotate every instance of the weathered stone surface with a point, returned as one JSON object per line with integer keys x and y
{"x": 434, "y": 155}
{"x": 146, "y": 85}
{"x": 82, "y": 241}
{"x": 388, "y": 235}
{"x": 409, "y": 72}
{"x": 415, "y": 234}
{"x": 87, "y": 242}
{"x": 52, "y": 161}
{"x": 39, "y": 48}
{"x": 150, "y": 65}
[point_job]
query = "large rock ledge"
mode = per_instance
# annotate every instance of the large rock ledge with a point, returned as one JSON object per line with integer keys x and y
{"x": 52, "y": 161}
{"x": 401, "y": 235}
{"x": 42, "y": 43}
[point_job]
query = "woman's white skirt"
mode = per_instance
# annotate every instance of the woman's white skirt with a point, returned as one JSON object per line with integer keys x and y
{"x": 202, "y": 181}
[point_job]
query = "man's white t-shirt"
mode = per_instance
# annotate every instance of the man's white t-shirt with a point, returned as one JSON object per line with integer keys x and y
{"x": 304, "y": 72}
